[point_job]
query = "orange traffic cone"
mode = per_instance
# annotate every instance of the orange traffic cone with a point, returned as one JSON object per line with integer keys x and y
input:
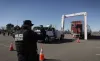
{"x": 41, "y": 57}
{"x": 78, "y": 41}
{"x": 11, "y": 47}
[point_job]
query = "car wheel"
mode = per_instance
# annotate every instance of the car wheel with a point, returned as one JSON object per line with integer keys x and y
{"x": 62, "y": 37}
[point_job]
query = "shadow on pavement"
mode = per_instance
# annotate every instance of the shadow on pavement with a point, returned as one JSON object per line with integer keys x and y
{"x": 52, "y": 60}
{"x": 14, "y": 50}
{"x": 61, "y": 41}
{"x": 92, "y": 38}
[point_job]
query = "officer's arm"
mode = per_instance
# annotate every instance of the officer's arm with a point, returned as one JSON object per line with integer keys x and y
{"x": 37, "y": 36}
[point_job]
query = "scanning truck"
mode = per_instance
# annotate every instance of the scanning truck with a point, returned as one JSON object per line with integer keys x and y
{"x": 77, "y": 29}
{"x": 51, "y": 33}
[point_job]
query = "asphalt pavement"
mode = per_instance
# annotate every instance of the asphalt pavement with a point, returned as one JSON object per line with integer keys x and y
{"x": 65, "y": 50}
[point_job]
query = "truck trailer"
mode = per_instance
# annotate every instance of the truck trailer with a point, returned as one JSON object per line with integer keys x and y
{"x": 77, "y": 28}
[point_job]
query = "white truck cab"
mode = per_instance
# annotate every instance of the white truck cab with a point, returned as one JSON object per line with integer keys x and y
{"x": 51, "y": 33}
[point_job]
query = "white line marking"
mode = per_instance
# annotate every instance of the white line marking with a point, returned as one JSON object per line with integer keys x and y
{"x": 97, "y": 54}
{"x": 4, "y": 45}
{"x": 97, "y": 47}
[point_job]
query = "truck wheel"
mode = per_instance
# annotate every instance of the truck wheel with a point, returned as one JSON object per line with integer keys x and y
{"x": 62, "y": 37}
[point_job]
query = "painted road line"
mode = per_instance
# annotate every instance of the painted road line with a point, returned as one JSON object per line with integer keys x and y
{"x": 97, "y": 54}
{"x": 4, "y": 45}
{"x": 97, "y": 47}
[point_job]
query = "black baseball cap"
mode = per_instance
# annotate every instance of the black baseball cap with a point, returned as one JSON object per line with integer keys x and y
{"x": 27, "y": 22}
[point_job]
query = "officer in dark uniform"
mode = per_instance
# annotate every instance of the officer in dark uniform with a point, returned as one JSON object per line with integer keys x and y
{"x": 3, "y": 32}
{"x": 8, "y": 33}
{"x": 26, "y": 43}
{"x": 43, "y": 32}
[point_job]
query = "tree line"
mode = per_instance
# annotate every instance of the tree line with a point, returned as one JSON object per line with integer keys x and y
{"x": 9, "y": 27}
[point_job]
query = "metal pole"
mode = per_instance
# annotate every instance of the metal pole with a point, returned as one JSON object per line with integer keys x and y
{"x": 85, "y": 26}
{"x": 62, "y": 23}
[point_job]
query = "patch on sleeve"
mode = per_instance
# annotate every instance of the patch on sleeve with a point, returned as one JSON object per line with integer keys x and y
{"x": 18, "y": 37}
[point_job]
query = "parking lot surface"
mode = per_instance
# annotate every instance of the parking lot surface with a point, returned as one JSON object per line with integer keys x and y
{"x": 65, "y": 50}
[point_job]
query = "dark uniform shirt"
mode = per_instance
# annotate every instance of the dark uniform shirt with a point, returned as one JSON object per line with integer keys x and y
{"x": 26, "y": 40}
{"x": 26, "y": 45}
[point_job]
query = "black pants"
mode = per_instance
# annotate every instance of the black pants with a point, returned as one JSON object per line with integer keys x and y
{"x": 29, "y": 56}
{"x": 26, "y": 54}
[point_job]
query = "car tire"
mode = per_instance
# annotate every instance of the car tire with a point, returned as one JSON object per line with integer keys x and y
{"x": 62, "y": 37}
